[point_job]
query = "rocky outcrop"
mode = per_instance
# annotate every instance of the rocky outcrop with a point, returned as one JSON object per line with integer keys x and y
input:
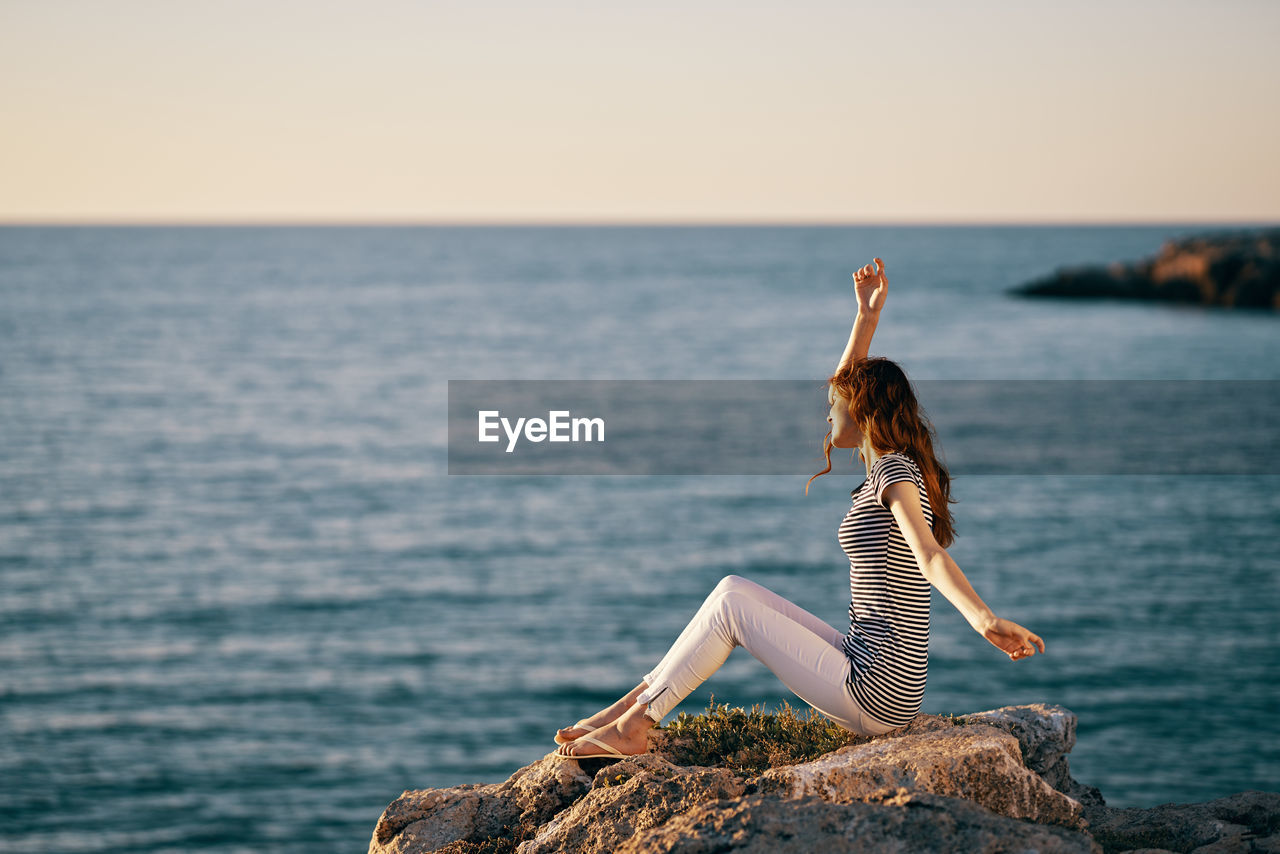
{"x": 1236, "y": 269}
{"x": 991, "y": 781}
{"x": 630, "y": 797}
{"x": 1045, "y": 736}
{"x": 429, "y": 819}
{"x": 1245, "y": 822}
{"x": 978, "y": 763}
{"x": 890, "y": 823}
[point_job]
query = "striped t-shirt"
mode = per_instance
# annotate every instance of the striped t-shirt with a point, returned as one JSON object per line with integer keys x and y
{"x": 888, "y": 639}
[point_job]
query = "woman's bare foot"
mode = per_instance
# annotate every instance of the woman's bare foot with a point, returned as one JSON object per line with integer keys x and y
{"x": 569, "y": 733}
{"x": 627, "y": 739}
{"x": 604, "y": 717}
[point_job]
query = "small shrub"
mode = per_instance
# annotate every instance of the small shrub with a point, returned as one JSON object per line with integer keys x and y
{"x": 752, "y": 740}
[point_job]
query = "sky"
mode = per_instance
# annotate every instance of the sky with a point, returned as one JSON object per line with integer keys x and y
{"x": 690, "y": 111}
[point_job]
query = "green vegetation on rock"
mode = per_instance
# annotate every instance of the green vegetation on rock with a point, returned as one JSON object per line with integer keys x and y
{"x": 752, "y": 740}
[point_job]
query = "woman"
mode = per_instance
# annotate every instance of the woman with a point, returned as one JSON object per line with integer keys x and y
{"x": 871, "y": 679}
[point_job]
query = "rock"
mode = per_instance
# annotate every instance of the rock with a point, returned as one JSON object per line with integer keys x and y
{"x": 427, "y": 819}
{"x": 1059, "y": 777}
{"x": 630, "y": 796}
{"x": 897, "y": 822}
{"x": 1244, "y": 822}
{"x": 990, "y": 781}
{"x": 979, "y": 763}
{"x": 1230, "y": 268}
{"x": 1046, "y": 735}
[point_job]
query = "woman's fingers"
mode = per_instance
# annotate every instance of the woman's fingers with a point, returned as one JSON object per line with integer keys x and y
{"x": 873, "y": 271}
{"x": 1027, "y": 648}
{"x": 1029, "y": 641}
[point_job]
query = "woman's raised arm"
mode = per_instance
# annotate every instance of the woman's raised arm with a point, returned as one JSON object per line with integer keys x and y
{"x": 943, "y": 573}
{"x": 871, "y": 285}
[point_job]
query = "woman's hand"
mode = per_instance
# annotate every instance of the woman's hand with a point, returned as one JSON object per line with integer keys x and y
{"x": 871, "y": 285}
{"x": 1012, "y": 638}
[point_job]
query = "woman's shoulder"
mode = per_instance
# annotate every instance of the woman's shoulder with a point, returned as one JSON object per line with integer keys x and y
{"x": 895, "y": 458}
{"x": 894, "y": 466}
{"x": 888, "y": 462}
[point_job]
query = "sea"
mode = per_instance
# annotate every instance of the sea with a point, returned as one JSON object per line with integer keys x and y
{"x": 244, "y": 605}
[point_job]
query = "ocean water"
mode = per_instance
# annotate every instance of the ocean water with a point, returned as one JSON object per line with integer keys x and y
{"x": 244, "y": 606}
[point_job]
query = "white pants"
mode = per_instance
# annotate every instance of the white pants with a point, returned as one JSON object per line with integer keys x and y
{"x": 801, "y": 649}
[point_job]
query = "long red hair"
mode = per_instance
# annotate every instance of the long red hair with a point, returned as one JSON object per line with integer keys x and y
{"x": 881, "y": 399}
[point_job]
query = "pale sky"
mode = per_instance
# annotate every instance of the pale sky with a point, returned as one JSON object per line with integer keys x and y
{"x": 697, "y": 110}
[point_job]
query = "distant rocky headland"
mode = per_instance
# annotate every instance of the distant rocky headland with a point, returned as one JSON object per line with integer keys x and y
{"x": 995, "y": 781}
{"x": 1234, "y": 269}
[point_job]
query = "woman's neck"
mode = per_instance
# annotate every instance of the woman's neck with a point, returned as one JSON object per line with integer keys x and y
{"x": 869, "y": 455}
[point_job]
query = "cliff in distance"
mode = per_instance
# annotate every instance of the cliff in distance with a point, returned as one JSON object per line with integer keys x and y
{"x": 1234, "y": 269}
{"x": 985, "y": 782}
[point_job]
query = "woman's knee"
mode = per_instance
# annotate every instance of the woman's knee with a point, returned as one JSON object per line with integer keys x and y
{"x": 731, "y": 582}
{"x": 739, "y": 584}
{"x": 737, "y": 611}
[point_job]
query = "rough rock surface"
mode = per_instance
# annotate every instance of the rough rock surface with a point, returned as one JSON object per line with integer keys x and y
{"x": 1244, "y": 822}
{"x": 427, "y": 819}
{"x": 990, "y": 781}
{"x": 895, "y": 823}
{"x": 979, "y": 763}
{"x": 1046, "y": 735}
{"x": 1233, "y": 268}
{"x": 630, "y": 796}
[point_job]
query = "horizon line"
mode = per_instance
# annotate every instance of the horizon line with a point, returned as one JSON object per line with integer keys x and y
{"x": 605, "y": 222}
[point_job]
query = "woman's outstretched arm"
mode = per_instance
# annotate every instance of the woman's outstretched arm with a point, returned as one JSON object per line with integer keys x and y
{"x": 943, "y": 573}
{"x": 871, "y": 285}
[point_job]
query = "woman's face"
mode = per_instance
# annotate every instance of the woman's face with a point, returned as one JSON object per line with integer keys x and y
{"x": 845, "y": 433}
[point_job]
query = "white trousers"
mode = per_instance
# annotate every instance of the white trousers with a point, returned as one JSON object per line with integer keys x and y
{"x": 801, "y": 649}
